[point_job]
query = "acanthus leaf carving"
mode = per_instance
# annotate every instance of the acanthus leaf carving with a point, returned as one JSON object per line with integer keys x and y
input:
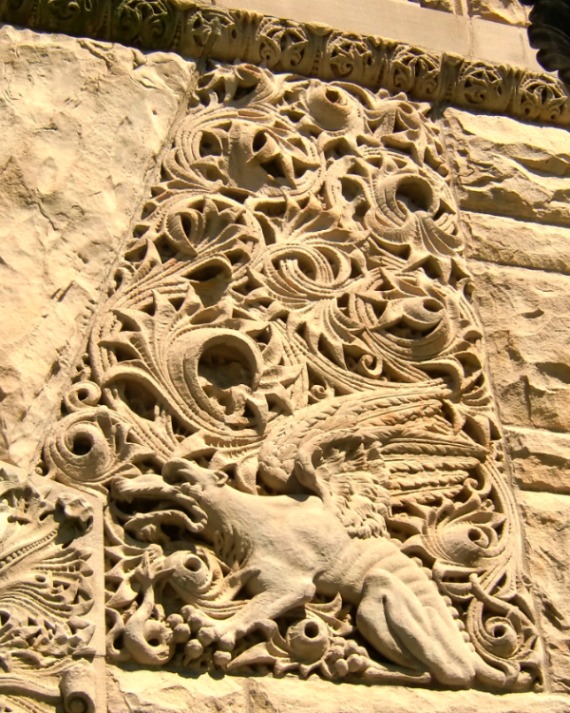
{"x": 286, "y": 406}
{"x": 46, "y": 596}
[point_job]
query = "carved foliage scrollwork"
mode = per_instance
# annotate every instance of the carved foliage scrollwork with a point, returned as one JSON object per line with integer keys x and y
{"x": 45, "y": 597}
{"x": 285, "y": 404}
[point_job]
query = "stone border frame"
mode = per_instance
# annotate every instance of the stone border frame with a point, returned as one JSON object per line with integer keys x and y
{"x": 196, "y": 30}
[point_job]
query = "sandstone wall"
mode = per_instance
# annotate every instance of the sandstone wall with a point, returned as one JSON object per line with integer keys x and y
{"x": 513, "y": 183}
{"x": 83, "y": 126}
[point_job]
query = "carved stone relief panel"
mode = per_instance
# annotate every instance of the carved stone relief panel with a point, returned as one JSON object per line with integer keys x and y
{"x": 50, "y": 611}
{"x": 285, "y": 407}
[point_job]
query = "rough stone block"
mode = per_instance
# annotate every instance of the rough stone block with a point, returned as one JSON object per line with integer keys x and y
{"x": 547, "y": 531}
{"x": 166, "y": 692}
{"x": 540, "y": 459}
{"x": 506, "y": 241}
{"x": 81, "y": 124}
{"x": 526, "y": 317}
{"x": 507, "y": 167}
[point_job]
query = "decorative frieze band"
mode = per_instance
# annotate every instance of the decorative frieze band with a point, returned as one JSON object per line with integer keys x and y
{"x": 311, "y": 50}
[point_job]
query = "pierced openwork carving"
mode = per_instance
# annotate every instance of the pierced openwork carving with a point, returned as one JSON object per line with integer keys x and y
{"x": 284, "y": 402}
{"x": 45, "y": 594}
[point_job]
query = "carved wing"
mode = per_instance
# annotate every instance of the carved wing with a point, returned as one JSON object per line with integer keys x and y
{"x": 362, "y": 455}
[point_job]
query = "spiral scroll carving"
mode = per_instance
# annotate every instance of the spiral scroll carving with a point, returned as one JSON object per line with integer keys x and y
{"x": 285, "y": 404}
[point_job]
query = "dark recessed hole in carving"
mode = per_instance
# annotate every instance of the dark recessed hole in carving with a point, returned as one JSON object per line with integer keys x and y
{"x": 148, "y": 209}
{"x": 295, "y": 115}
{"x": 475, "y": 431}
{"x": 4, "y": 617}
{"x": 249, "y": 413}
{"x": 259, "y": 141}
{"x": 351, "y": 189}
{"x": 149, "y": 308}
{"x": 414, "y": 194}
{"x": 139, "y": 400}
{"x": 149, "y": 465}
{"x": 339, "y": 149}
{"x": 431, "y": 269}
{"x": 136, "y": 252}
{"x": 209, "y": 145}
{"x": 311, "y": 629}
{"x": 237, "y": 194}
{"x": 165, "y": 249}
{"x": 176, "y": 302}
{"x": 157, "y": 191}
{"x": 194, "y": 564}
{"x": 375, "y": 160}
{"x": 275, "y": 405}
{"x": 207, "y": 273}
{"x": 333, "y": 96}
{"x": 271, "y": 209}
{"x": 305, "y": 266}
{"x": 82, "y": 444}
{"x": 173, "y": 533}
{"x": 244, "y": 91}
{"x": 361, "y": 207}
{"x": 441, "y": 212}
{"x": 237, "y": 257}
{"x": 140, "y": 230}
{"x": 474, "y": 535}
{"x": 212, "y": 173}
{"x": 470, "y": 363}
{"x": 224, "y": 367}
{"x": 325, "y": 349}
{"x": 274, "y": 168}
{"x": 431, "y": 305}
{"x": 122, "y": 353}
{"x": 185, "y": 223}
{"x": 299, "y": 168}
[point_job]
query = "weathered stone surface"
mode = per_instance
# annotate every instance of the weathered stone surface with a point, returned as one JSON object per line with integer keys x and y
{"x": 507, "y": 167}
{"x": 251, "y": 349}
{"x": 526, "y": 316}
{"x": 165, "y": 692}
{"x": 547, "y": 531}
{"x": 509, "y": 12}
{"x": 81, "y": 124}
{"x": 517, "y": 243}
{"x": 540, "y": 459}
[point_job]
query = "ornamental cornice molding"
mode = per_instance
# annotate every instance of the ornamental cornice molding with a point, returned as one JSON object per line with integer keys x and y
{"x": 313, "y": 50}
